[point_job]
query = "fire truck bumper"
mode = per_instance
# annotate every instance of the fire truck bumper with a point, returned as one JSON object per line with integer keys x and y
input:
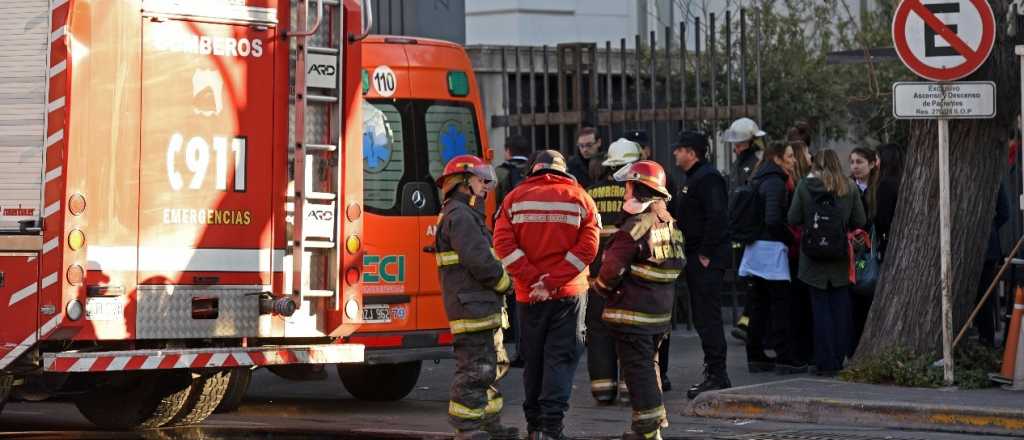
{"x": 396, "y": 356}
{"x": 76, "y": 361}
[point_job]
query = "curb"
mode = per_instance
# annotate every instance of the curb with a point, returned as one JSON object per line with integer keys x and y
{"x": 902, "y": 415}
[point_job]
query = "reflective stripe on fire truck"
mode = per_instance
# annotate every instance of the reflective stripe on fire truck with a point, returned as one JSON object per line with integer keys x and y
{"x": 469, "y": 325}
{"x": 655, "y": 274}
{"x": 30, "y": 341}
{"x": 201, "y": 358}
{"x": 630, "y": 317}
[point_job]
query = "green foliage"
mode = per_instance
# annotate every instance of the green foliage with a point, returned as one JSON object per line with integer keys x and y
{"x": 903, "y": 368}
{"x": 798, "y": 84}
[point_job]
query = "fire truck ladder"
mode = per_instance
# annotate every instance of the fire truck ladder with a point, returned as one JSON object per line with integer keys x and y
{"x": 316, "y": 212}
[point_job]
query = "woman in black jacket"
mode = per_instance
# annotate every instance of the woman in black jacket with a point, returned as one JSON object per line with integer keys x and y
{"x": 766, "y": 262}
{"x": 890, "y": 171}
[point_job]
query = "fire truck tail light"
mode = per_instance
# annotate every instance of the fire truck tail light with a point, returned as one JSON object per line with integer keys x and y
{"x": 352, "y": 276}
{"x": 352, "y": 309}
{"x": 353, "y": 244}
{"x": 75, "y": 275}
{"x": 76, "y": 239}
{"x": 76, "y": 204}
{"x": 74, "y": 310}
{"x": 353, "y": 211}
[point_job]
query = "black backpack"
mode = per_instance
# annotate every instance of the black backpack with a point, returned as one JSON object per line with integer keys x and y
{"x": 746, "y": 216}
{"x": 824, "y": 235}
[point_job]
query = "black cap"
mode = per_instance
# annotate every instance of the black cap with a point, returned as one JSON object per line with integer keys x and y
{"x": 548, "y": 161}
{"x": 694, "y": 140}
{"x": 638, "y": 136}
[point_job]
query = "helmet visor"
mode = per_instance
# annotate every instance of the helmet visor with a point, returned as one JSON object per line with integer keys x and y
{"x": 485, "y": 173}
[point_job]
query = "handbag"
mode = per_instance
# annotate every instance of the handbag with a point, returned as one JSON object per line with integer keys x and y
{"x": 867, "y": 268}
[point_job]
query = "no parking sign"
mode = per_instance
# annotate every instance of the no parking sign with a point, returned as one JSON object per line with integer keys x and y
{"x": 943, "y": 40}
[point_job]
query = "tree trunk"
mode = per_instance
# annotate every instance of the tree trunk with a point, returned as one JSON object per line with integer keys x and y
{"x": 908, "y": 301}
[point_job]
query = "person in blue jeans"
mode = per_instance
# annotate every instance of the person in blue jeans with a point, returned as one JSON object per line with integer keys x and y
{"x": 827, "y": 277}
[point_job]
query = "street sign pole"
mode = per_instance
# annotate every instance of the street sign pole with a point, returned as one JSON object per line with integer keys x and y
{"x": 946, "y": 253}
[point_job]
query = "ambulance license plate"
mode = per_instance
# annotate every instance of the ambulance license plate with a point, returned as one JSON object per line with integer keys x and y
{"x": 377, "y": 313}
{"x": 104, "y": 309}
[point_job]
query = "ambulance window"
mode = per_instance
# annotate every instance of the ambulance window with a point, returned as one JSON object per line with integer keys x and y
{"x": 451, "y": 131}
{"x": 383, "y": 155}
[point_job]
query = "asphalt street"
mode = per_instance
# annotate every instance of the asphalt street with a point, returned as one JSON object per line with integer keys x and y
{"x": 276, "y": 408}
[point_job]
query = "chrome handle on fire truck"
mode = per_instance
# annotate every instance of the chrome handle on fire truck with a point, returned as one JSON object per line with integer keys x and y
{"x": 316, "y": 24}
{"x": 367, "y": 23}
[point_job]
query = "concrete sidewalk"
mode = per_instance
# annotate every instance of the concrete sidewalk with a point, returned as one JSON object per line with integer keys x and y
{"x": 805, "y": 400}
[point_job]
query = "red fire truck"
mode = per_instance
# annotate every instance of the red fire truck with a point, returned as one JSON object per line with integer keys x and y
{"x": 177, "y": 199}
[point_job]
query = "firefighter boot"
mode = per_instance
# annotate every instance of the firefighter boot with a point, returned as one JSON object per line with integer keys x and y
{"x": 633, "y": 435}
{"x": 498, "y": 431}
{"x": 472, "y": 435}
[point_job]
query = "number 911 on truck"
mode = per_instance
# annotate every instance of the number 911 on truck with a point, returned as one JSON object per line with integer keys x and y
{"x": 175, "y": 204}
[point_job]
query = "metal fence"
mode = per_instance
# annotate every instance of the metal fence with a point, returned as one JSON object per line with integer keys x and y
{"x": 548, "y": 93}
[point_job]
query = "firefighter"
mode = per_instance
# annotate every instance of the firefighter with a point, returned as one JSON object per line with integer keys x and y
{"x": 602, "y": 363}
{"x": 546, "y": 235}
{"x": 473, "y": 282}
{"x": 638, "y": 272}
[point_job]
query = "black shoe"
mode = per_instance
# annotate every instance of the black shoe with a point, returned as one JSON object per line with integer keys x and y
{"x": 760, "y": 366}
{"x": 783, "y": 369}
{"x": 711, "y": 382}
{"x": 666, "y": 385}
{"x": 740, "y": 333}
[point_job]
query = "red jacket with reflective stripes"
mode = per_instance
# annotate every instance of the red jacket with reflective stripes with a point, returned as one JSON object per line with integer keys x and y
{"x": 547, "y": 225}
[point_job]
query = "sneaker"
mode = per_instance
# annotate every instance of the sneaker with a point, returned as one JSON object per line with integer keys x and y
{"x": 472, "y": 435}
{"x": 784, "y": 369}
{"x": 711, "y": 382}
{"x": 498, "y": 431}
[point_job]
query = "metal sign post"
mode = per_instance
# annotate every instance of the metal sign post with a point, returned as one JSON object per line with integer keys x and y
{"x": 943, "y": 42}
{"x": 946, "y": 253}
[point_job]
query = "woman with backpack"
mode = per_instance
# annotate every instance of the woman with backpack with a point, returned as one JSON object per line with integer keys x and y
{"x": 827, "y": 206}
{"x": 766, "y": 262}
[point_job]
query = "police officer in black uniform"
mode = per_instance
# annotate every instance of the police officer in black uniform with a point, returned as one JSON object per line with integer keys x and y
{"x": 608, "y": 193}
{"x": 638, "y": 272}
{"x": 473, "y": 283}
{"x": 703, "y": 217}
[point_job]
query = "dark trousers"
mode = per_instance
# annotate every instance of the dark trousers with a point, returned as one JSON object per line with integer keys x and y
{"x": 480, "y": 362}
{"x": 985, "y": 321}
{"x": 638, "y": 354}
{"x": 706, "y": 302}
{"x": 832, "y": 326}
{"x": 663, "y": 351}
{"x": 860, "y": 305}
{"x": 602, "y": 361}
{"x": 769, "y": 308}
{"x": 553, "y": 343}
{"x": 801, "y": 320}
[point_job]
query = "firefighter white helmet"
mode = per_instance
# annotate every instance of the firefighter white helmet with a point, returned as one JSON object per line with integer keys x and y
{"x": 742, "y": 130}
{"x": 622, "y": 152}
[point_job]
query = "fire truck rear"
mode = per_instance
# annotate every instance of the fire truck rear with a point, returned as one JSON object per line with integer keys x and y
{"x": 177, "y": 204}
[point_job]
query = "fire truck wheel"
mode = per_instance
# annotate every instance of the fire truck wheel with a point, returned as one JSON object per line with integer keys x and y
{"x": 207, "y": 391}
{"x": 380, "y": 383}
{"x": 137, "y": 400}
{"x": 238, "y": 384}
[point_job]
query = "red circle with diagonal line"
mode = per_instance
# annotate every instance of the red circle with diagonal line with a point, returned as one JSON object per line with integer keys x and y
{"x": 974, "y": 57}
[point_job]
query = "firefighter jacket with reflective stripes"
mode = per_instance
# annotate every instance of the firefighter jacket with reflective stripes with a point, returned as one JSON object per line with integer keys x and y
{"x": 547, "y": 225}
{"x": 608, "y": 195}
{"x": 472, "y": 279}
{"x": 639, "y": 270}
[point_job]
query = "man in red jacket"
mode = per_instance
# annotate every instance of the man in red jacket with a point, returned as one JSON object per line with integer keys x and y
{"x": 546, "y": 235}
